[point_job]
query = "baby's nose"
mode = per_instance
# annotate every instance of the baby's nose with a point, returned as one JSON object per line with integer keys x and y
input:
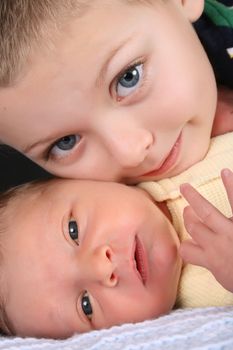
{"x": 102, "y": 266}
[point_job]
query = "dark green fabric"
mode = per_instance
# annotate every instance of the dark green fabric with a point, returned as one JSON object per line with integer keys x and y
{"x": 215, "y": 30}
{"x": 220, "y": 14}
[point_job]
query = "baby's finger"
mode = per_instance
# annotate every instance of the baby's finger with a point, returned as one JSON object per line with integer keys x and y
{"x": 191, "y": 253}
{"x": 208, "y": 214}
{"x": 190, "y": 219}
{"x": 200, "y": 233}
{"x": 227, "y": 178}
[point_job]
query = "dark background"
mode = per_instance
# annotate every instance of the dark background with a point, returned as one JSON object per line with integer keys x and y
{"x": 15, "y": 169}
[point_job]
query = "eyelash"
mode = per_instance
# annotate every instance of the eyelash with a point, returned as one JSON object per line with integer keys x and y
{"x": 75, "y": 240}
{"x": 113, "y": 85}
{"x": 48, "y": 152}
{"x": 87, "y": 316}
{"x": 71, "y": 231}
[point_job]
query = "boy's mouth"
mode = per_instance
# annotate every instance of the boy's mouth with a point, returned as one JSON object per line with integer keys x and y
{"x": 140, "y": 260}
{"x": 169, "y": 160}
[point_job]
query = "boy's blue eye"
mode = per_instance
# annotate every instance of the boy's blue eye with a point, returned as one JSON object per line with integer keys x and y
{"x": 86, "y": 305}
{"x": 66, "y": 143}
{"x": 63, "y": 146}
{"x": 73, "y": 230}
{"x": 130, "y": 80}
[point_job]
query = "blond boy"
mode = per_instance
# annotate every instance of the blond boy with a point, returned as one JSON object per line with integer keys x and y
{"x": 106, "y": 89}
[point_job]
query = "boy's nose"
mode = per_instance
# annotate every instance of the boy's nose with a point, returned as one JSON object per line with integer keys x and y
{"x": 129, "y": 146}
{"x": 102, "y": 267}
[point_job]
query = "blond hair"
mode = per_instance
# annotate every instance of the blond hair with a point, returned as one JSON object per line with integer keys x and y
{"x": 29, "y": 24}
{"x": 23, "y": 23}
{"x": 10, "y": 199}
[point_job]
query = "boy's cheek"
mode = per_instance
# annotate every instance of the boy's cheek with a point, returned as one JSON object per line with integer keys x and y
{"x": 223, "y": 121}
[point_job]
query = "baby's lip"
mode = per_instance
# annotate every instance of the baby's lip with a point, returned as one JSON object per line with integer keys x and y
{"x": 140, "y": 260}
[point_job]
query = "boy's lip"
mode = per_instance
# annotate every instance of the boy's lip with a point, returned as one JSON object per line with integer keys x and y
{"x": 140, "y": 263}
{"x": 169, "y": 160}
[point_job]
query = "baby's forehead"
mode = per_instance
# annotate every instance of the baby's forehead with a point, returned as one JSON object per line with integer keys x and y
{"x": 21, "y": 197}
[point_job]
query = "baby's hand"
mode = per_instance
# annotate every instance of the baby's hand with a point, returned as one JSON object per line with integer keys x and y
{"x": 211, "y": 245}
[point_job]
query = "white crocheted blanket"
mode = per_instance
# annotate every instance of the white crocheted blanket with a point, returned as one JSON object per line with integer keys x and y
{"x": 209, "y": 328}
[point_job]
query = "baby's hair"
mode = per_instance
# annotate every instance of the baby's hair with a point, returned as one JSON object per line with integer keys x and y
{"x": 9, "y": 199}
{"x": 9, "y": 196}
{"x": 27, "y": 25}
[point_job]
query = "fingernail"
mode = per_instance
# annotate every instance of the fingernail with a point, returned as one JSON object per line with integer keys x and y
{"x": 226, "y": 172}
{"x": 184, "y": 186}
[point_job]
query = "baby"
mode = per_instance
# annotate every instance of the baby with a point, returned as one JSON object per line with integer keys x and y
{"x": 114, "y": 90}
{"x": 82, "y": 255}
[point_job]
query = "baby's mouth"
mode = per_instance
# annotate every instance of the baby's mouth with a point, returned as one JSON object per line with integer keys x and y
{"x": 140, "y": 260}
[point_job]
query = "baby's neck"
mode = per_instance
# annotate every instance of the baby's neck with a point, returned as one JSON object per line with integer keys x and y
{"x": 163, "y": 207}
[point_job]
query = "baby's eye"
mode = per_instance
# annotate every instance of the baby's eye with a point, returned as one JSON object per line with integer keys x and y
{"x": 86, "y": 305}
{"x": 62, "y": 146}
{"x": 129, "y": 80}
{"x": 73, "y": 231}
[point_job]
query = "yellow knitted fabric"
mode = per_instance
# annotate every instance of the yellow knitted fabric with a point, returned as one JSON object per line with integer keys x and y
{"x": 198, "y": 287}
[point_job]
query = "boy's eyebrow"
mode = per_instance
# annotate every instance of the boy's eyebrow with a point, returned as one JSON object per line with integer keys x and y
{"x": 98, "y": 82}
{"x": 110, "y": 56}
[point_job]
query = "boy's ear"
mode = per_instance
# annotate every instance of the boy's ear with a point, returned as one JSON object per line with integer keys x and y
{"x": 192, "y": 8}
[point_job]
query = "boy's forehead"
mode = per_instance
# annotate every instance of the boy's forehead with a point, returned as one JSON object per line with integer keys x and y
{"x": 101, "y": 16}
